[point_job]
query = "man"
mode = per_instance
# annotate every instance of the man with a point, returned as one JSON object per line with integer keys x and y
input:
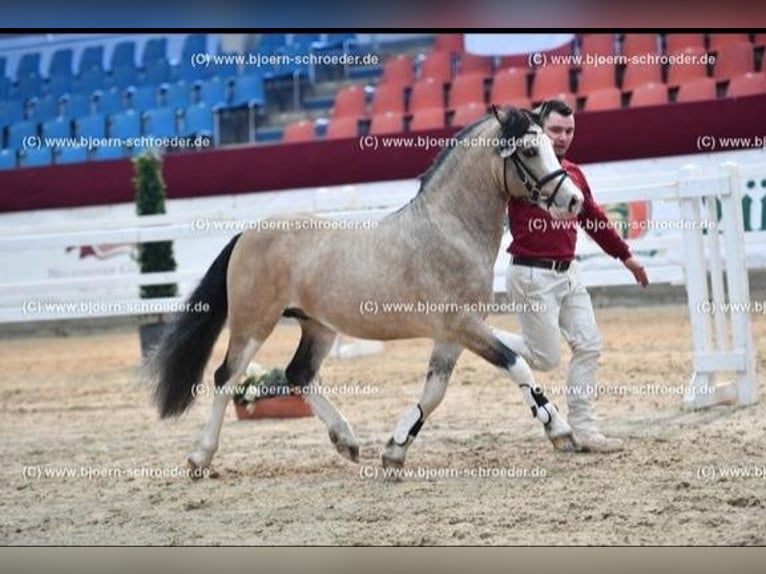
{"x": 544, "y": 280}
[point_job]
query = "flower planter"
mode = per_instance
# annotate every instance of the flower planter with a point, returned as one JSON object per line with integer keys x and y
{"x": 291, "y": 406}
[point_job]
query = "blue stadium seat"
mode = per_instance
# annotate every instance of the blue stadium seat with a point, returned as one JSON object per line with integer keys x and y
{"x": 11, "y": 111}
{"x": 91, "y": 126}
{"x": 44, "y": 109}
{"x": 141, "y": 99}
{"x": 107, "y": 153}
{"x": 304, "y": 41}
{"x": 188, "y": 73}
{"x": 58, "y": 128}
{"x": 108, "y": 102}
{"x": 124, "y": 55}
{"x": 226, "y": 68}
{"x": 176, "y": 94}
{"x": 29, "y": 65}
{"x": 124, "y": 76}
{"x": 19, "y": 131}
{"x": 60, "y": 84}
{"x": 30, "y": 86}
{"x": 155, "y": 50}
{"x": 156, "y": 72}
{"x": 61, "y": 62}
{"x": 5, "y": 88}
{"x": 125, "y": 125}
{"x": 92, "y": 57}
{"x": 248, "y": 91}
{"x": 213, "y": 92}
{"x": 270, "y": 43}
{"x": 7, "y": 159}
{"x": 36, "y": 157}
{"x": 198, "y": 119}
{"x": 193, "y": 44}
{"x": 70, "y": 155}
{"x": 93, "y": 79}
{"x": 160, "y": 122}
{"x": 290, "y": 66}
{"x": 76, "y": 105}
{"x": 3, "y": 63}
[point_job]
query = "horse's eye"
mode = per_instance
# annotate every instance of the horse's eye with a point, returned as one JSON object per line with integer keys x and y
{"x": 529, "y": 152}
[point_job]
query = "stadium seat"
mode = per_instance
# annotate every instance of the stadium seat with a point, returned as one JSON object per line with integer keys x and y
{"x": 650, "y": 94}
{"x": 5, "y": 88}
{"x": 697, "y": 90}
{"x": 61, "y": 63}
{"x": 399, "y": 70}
{"x": 734, "y": 60}
{"x": 60, "y": 84}
{"x": 125, "y": 125}
{"x": 156, "y": 72}
{"x": 594, "y": 77}
{"x": 748, "y": 84}
{"x": 70, "y": 155}
{"x": 640, "y": 44}
{"x": 141, "y": 98}
{"x": 160, "y": 122}
{"x": 300, "y": 131}
{"x": 436, "y": 65}
{"x": 198, "y": 119}
{"x": 449, "y": 43}
{"x": 43, "y": 109}
{"x": 387, "y": 123}
{"x": 29, "y": 65}
{"x": 124, "y": 55}
{"x": 30, "y": 86}
{"x": 248, "y": 91}
{"x": 7, "y": 159}
{"x": 468, "y": 113}
{"x": 550, "y": 80}
{"x": 604, "y": 99}
{"x": 472, "y": 64}
{"x": 682, "y": 72}
{"x": 92, "y": 58}
{"x": 155, "y": 50}
{"x": 175, "y": 95}
{"x": 213, "y": 92}
{"x": 93, "y": 126}
{"x": 102, "y": 153}
{"x": 677, "y": 42}
{"x": 467, "y": 88}
{"x": 427, "y": 93}
{"x": 58, "y": 128}
{"x": 639, "y": 74}
{"x": 388, "y": 98}
{"x": 718, "y": 40}
{"x": 759, "y": 41}
{"x": 35, "y": 157}
{"x": 19, "y": 132}
{"x": 342, "y": 128}
{"x": 350, "y": 102}
{"x": 11, "y": 111}
{"x": 76, "y": 105}
{"x": 597, "y": 44}
{"x": 107, "y": 102}
{"x": 93, "y": 79}
{"x": 427, "y": 119}
{"x": 508, "y": 84}
{"x": 124, "y": 77}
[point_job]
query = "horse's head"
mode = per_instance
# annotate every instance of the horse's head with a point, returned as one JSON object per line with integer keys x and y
{"x": 530, "y": 168}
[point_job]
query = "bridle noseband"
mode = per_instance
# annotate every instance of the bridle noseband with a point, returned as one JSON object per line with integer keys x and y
{"x": 531, "y": 182}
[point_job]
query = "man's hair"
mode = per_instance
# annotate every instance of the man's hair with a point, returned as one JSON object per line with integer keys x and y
{"x": 548, "y": 106}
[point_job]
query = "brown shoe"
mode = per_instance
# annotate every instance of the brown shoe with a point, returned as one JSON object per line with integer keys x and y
{"x": 597, "y": 442}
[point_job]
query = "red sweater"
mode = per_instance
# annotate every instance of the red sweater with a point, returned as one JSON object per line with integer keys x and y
{"x": 534, "y": 232}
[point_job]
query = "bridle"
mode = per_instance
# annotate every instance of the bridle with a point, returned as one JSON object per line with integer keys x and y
{"x": 531, "y": 182}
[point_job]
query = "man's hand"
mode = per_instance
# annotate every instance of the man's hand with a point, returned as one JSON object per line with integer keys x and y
{"x": 638, "y": 271}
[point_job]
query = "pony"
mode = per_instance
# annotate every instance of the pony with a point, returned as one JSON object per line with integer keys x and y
{"x": 439, "y": 250}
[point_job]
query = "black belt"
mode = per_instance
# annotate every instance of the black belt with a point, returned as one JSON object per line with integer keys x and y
{"x": 542, "y": 263}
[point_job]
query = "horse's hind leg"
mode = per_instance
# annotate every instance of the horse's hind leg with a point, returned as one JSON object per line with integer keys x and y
{"x": 440, "y": 366}
{"x": 478, "y": 337}
{"x": 316, "y": 342}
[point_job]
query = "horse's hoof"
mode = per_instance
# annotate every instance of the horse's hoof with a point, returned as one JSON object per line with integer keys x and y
{"x": 196, "y": 471}
{"x": 348, "y": 449}
{"x": 564, "y": 443}
{"x": 392, "y": 468}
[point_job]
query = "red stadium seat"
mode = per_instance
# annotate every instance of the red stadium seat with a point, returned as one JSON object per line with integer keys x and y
{"x": 604, "y": 99}
{"x": 508, "y": 84}
{"x": 734, "y": 60}
{"x": 651, "y": 94}
{"x": 697, "y": 90}
{"x": 593, "y": 78}
{"x": 437, "y": 65}
{"x": 550, "y": 80}
{"x": 300, "y": 131}
{"x": 449, "y": 43}
{"x": 388, "y": 98}
{"x": 427, "y": 93}
{"x": 342, "y": 128}
{"x": 597, "y": 44}
{"x": 567, "y": 97}
{"x": 747, "y": 85}
{"x": 759, "y": 41}
{"x": 399, "y": 69}
{"x": 350, "y": 102}
{"x": 469, "y": 113}
{"x": 387, "y": 123}
{"x": 640, "y": 44}
{"x": 427, "y": 119}
{"x": 681, "y": 72}
{"x": 638, "y": 74}
{"x": 676, "y": 42}
{"x": 466, "y": 88}
{"x": 473, "y": 64}
{"x": 724, "y": 39}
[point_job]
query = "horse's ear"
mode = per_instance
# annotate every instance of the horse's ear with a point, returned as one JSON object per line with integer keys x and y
{"x": 535, "y": 116}
{"x": 496, "y": 113}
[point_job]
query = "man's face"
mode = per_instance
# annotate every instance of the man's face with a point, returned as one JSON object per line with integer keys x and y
{"x": 560, "y": 129}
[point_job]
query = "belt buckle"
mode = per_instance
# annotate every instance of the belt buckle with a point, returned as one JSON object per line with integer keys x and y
{"x": 558, "y": 266}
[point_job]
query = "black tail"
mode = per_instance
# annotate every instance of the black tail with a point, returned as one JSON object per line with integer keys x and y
{"x": 178, "y": 363}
